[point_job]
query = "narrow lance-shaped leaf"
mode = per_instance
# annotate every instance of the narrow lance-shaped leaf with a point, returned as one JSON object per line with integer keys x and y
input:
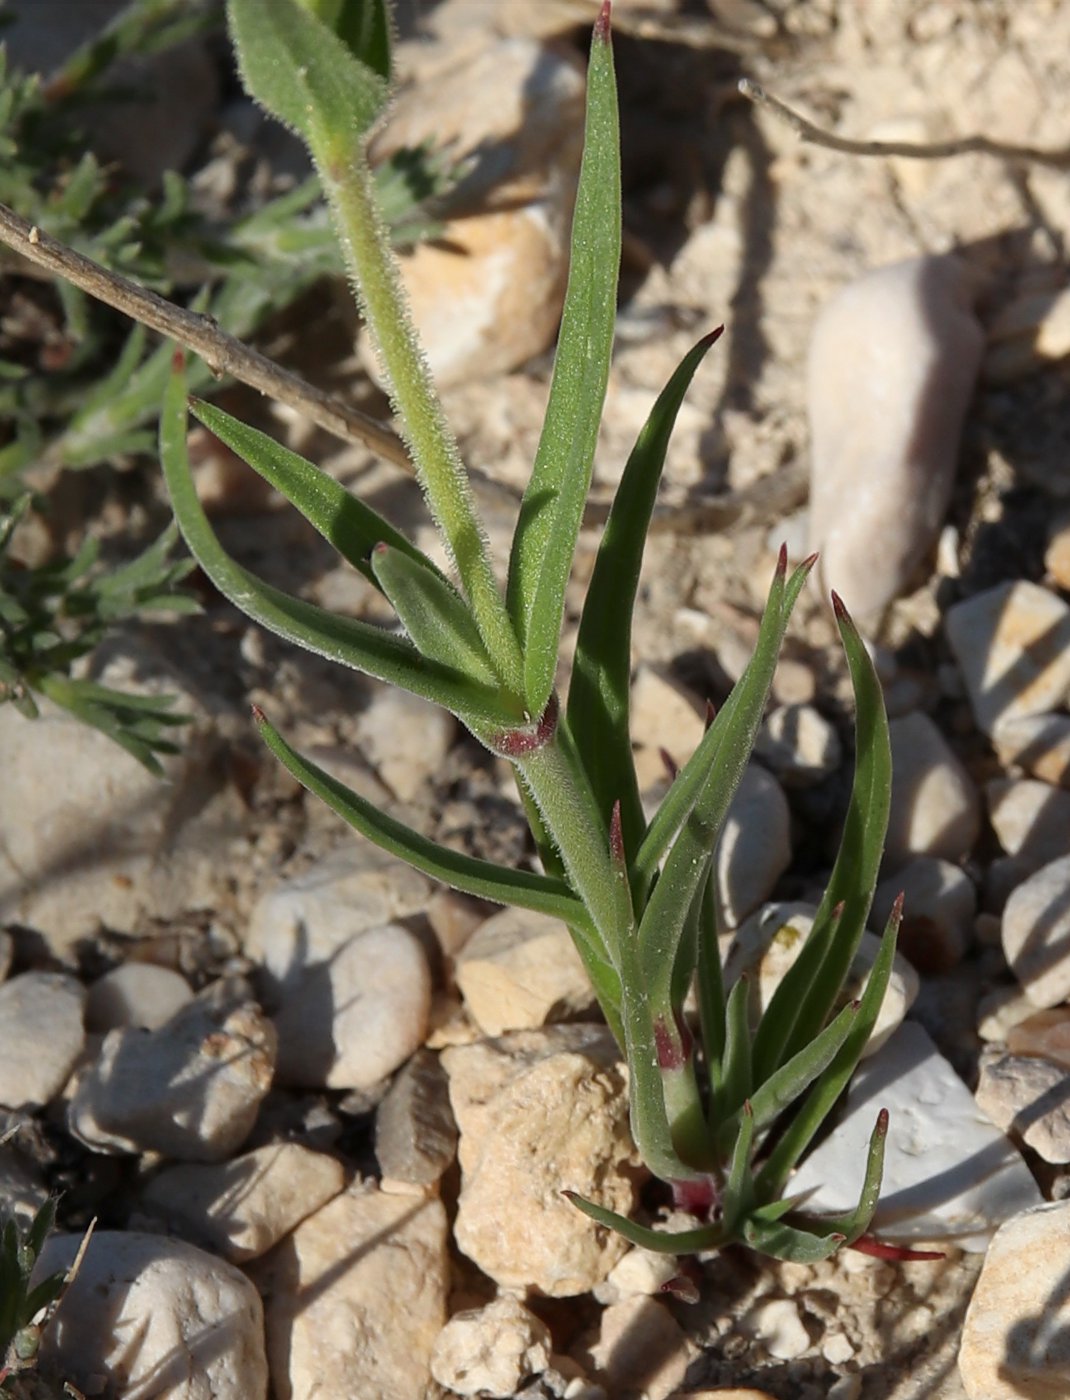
{"x": 855, "y": 1224}
{"x": 346, "y": 640}
{"x": 433, "y": 613}
{"x": 782, "y": 1241}
{"x": 803, "y": 1000}
{"x": 736, "y": 1069}
{"x": 738, "y": 1188}
{"x": 352, "y": 527}
{"x": 658, "y": 1241}
{"x": 597, "y": 712}
{"x": 552, "y": 509}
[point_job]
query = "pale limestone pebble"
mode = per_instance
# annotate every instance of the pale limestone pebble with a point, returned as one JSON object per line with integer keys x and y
{"x": 755, "y": 845}
{"x": 663, "y": 715}
{"x": 453, "y": 918}
{"x": 939, "y": 909}
{"x": 799, "y": 744}
{"x": 492, "y": 1350}
{"x": 406, "y": 740}
{"x": 449, "y": 1022}
{"x": 1000, "y": 1010}
{"x": 1038, "y": 744}
{"x": 1045, "y": 1033}
{"x": 640, "y": 1272}
{"x": 775, "y": 1322}
{"x": 520, "y": 970}
{"x": 949, "y": 1173}
{"x": 42, "y": 1033}
{"x": 771, "y": 940}
{"x": 641, "y": 1348}
{"x": 1028, "y": 1098}
{"x": 1012, "y": 644}
{"x": 135, "y": 994}
{"x": 355, "y": 1298}
{"x": 1057, "y": 554}
{"x": 487, "y": 295}
{"x": 351, "y": 1020}
{"x": 1036, "y": 934}
{"x": 1016, "y": 1335}
{"x": 1030, "y": 819}
{"x": 540, "y": 1112}
{"x": 242, "y": 1208}
{"x": 935, "y": 808}
{"x": 189, "y": 1090}
{"x": 415, "y": 1131}
{"x": 1031, "y": 332}
{"x": 306, "y": 918}
{"x": 886, "y": 414}
{"x": 150, "y": 1316}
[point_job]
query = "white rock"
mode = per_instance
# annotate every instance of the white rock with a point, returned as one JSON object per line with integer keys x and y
{"x": 939, "y": 908}
{"x": 755, "y": 845}
{"x": 892, "y": 364}
{"x": 491, "y": 1350}
{"x": 355, "y": 1298}
{"x": 243, "y": 1207}
{"x": 42, "y": 1035}
{"x": 1036, "y": 934}
{"x": 1000, "y": 1009}
{"x": 189, "y": 1090}
{"x": 1030, "y": 819}
{"x": 1040, "y": 744}
{"x": 935, "y": 808}
{"x": 1044, "y": 1033}
{"x": 799, "y": 744}
{"x": 151, "y": 1316}
{"x": 776, "y": 1322}
{"x": 89, "y": 837}
{"x": 772, "y": 939}
{"x": 488, "y": 295}
{"x": 1027, "y": 1096}
{"x": 135, "y": 994}
{"x": 641, "y": 1348}
{"x": 1014, "y": 1338}
{"x": 949, "y": 1173}
{"x": 406, "y": 739}
{"x": 662, "y": 715}
{"x": 350, "y": 1021}
{"x": 519, "y": 970}
{"x": 540, "y": 1112}
{"x": 307, "y": 918}
{"x": 640, "y": 1273}
{"x": 1012, "y": 643}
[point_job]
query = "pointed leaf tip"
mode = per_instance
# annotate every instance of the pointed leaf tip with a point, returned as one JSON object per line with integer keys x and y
{"x": 882, "y": 1123}
{"x": 711, "y": 337}
{"x": 669, "y": 763}
{"x": 839, "y": 608}
{"x": 616, "y": 836}
{"x": 178, "y": 360}
{"x": 258, "y": 715}
{"x": 680, "y": 1287}
{"x": 782, "y": 562}
{"x": 601, "y": 24}
{"x": 896, "y": 915}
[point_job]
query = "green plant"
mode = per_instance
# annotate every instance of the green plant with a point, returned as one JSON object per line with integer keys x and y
{"x": 725, "y": 1118}
{"x": 21, "y": 1305}
{"x": 54, "y": 615}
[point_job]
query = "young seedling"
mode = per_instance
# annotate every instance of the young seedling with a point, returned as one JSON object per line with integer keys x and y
{"x": 719, "y": 1110}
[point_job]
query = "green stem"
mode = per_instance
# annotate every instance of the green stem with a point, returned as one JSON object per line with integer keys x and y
{"x": 350, "y": 190}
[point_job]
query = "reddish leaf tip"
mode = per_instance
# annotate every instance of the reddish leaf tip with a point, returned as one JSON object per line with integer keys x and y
{"x": 897, "y": 906}
{"x": 712, "y": 337}
{"x": 669, "y": 762}
{"x": 882, "y": 1123}
{"x": 842, "y": 615}
{"x": 667, "y": 1047}
{"x": 748, "y": 1109}
{"x": 178, "y": 360}
{"x": 380, "y": 548}
{"x": 683, "y": 1289}
{"x": 570, "y": 1195}
{"x": 782, "y": 561}
{"x": 711, "y": 713}
{"x": 601, "y": 24}
{"x": 258, "y": 715}
{"x": 810, "y": 560}
{"x": 877, "y": 1249}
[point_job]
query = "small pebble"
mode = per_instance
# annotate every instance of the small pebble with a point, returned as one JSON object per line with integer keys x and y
{"x": 190, "y": 1089}
{"x": 1036, "y": 934}
{"x": 406, "y": 739}
{"x": 415, "y": 1131}
{"x": 939, "y": 907}
{"x": 1012, "y": 643}
{"x": 1045, "y": 1033}
{"x": 777, "y": 1325}
{"x": 155, "y": 1317}
{"x": 42, "y": 1034}
{"x": 640, "y": 1272}
{"x": 492, "y": 1350}
{"x": 520, "y": 970}
{"x": 1039, "y": 744}
{"x": 641, "y": 1347}
{"x": 1001, "y": 1009}
{"x": 755, "y": 845}
{"x": 348, "y": 1022}
{"x": 1031, "y": 819}
{"x": 949, "y": 1174}
{"x": 799, "y": 744}
{"x": 1028, "y": 1097}
{"x": 242, "y": 1208}
{"x": 935, "y": 807}
{"x": 895, "y": 401}
{"x": 135, "y": 994}
{"x": 1016, "y": 1335}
